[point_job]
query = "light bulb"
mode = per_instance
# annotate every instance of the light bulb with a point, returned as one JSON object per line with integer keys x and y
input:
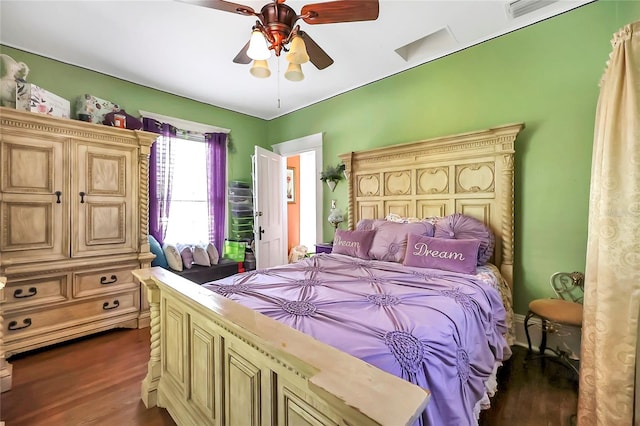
{"x": 258, "y": 49}
{"x": 298, "y": 53}
{"x": 294, "y": 72}
{"x": 260, "y": 69}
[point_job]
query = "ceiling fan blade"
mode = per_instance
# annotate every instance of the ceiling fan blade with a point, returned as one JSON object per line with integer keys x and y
{"x": 317, "y": 56}
{"x": 226, "y": 6}
{"x": 340, "y": 11}
{"x": 241, "y": 57}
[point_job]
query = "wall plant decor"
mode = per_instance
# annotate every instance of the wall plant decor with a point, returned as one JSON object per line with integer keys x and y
{"x": 332, "y": 175}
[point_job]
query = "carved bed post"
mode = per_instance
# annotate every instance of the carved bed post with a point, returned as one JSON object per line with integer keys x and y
{"x": 506, "y": 267}
{"x": 149, "y": 392}
{"x": 347, "y": 160}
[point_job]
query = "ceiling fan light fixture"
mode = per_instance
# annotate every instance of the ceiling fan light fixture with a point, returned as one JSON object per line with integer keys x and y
{"x": 294, "y": 72}
{"x": 260, "y": 69}
{"x": 298, "y": 51}
{"x": 258, "y": 49}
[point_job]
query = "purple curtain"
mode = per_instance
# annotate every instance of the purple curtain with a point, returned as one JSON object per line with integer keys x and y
{"x": 216, "y": 186}
{"x": 160, "y": 177}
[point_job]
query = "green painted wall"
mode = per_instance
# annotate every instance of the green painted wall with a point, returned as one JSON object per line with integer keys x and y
{"x": 545, "y": 75}
{"x": 70, "y": 82}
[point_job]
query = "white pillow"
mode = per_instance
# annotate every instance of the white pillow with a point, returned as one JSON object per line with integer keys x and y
{"x": 173, "y": 257}
{"x": 200, "y": 256}
{"x": 212, "y": 251}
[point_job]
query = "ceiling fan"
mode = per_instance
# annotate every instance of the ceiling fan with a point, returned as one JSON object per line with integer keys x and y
{"x": 276, "y": 25}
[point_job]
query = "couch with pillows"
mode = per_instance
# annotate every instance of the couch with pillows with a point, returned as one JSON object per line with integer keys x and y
{"x": 197, "y": 263}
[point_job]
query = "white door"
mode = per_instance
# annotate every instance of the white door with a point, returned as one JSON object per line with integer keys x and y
{"x": 270, "y": 208}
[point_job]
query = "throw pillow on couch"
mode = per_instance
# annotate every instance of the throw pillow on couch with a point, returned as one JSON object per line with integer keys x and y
{"x": 179, "y": 257}
{"x": 156, "y": 248}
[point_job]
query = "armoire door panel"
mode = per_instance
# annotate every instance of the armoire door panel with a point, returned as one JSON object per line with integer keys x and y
{"x": 32, "y": 166}
{"x": 34, "y": 208}
{"x": 106, "y": 174}
{"x": 106, "y": 223}
{"x": 103, "y": 197}
{"x": 33, "y": 228}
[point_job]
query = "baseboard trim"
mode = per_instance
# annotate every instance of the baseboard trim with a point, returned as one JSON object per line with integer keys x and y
{"x": 568, "y": 339}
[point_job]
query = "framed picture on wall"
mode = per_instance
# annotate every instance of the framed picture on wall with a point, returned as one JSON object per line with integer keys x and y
{"x": 291, "y": 185}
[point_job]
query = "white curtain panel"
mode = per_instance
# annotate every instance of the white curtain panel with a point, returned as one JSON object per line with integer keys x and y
{"x": 612, "y": 275}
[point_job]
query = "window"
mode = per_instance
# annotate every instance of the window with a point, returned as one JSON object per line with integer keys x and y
{"x": 187, "y": 183}
{"x": 188, "y": 220}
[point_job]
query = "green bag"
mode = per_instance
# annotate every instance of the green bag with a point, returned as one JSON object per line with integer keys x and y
{"x": 234, "y": 250}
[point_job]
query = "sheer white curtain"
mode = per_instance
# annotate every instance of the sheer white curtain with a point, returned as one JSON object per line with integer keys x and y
{"x": 612, "y": 278}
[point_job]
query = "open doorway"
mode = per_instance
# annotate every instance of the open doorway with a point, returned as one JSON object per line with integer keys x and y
{"x": 304, "y": 211}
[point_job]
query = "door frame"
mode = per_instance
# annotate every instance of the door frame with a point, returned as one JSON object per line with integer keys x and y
{"x": 301, "y": 145}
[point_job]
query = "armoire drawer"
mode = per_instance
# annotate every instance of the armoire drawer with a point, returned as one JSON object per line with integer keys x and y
{"x": 32, "y": 322}
{"x": 35, "y": 291}
{"x": 95, "y": 282}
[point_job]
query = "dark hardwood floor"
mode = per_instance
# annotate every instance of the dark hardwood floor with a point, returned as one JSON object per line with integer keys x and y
{"x": 536, "y": 392}
{"x": 90, "y": 381}
{"x": 96, "y": 381}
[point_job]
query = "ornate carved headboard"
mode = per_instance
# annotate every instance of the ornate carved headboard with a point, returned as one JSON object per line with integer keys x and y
{"x": 470, "y": 173}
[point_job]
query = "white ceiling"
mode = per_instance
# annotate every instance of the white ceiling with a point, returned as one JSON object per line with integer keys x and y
{"x": 188, "y": 50}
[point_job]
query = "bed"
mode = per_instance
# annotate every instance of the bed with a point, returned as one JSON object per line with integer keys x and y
{"x": 270, "y": 346}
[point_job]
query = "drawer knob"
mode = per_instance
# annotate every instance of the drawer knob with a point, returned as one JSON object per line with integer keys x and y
{"x": 103, "y": 280}
{"x": 13, "y": 325}
{"x": 18, "y": 293}
{"x": 58, "y": 195}
{"x": 106, "y": 306}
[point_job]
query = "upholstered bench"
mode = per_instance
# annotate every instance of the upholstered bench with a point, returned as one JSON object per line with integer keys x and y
{"x": 218, "y": 267}
{"x": 203, "y": 274}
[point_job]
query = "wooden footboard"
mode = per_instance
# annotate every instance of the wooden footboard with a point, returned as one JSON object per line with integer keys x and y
{"x": 216, "y": 362}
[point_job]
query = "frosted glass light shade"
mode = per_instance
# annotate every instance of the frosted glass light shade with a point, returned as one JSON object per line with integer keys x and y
{"x": 258, "y": 49}
{"x": 298, "y": 53}
{"x": 260, "y": 69}
{"x": 336, "y": 217}
{"x": 294, "y": 72}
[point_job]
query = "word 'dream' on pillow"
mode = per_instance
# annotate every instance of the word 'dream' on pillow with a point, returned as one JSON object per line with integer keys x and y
{"x": 440, "y": 253}
{"x": 353, "y": 243}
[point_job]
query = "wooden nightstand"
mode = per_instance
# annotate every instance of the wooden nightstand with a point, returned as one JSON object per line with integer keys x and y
{"x": 324, "y": 247}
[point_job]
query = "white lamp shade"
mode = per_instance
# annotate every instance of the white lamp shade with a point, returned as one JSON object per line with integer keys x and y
{"x": 336, "y": 217}
{"x": 298, "y": 53}
{"x": 260, "y": 69}
{"x": 294, "y": 72}
{"x": 258, "y": 49}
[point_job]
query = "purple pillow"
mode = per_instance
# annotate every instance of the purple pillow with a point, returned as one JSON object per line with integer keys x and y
{"x": 463, "y": 227}
{"x": 353, "y": 243}
{"x": 453, "y": 255}
{"x": 390, "y": 241}
{"x": 187, "y": 256}
{"x": 364, "y": 225}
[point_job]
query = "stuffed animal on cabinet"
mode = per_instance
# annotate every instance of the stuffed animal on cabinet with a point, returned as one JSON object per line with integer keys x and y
{"x": 10, "y": 71}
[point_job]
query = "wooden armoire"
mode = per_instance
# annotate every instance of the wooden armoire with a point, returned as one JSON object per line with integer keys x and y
{"x": 73, "y": 225}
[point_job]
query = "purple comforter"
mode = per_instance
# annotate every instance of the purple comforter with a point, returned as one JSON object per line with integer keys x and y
{"x": 440, "y": 330}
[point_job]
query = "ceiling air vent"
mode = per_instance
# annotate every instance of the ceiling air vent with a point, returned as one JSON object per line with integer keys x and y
{"x": 428, "y": 47}
{"x": 519, "y": 8}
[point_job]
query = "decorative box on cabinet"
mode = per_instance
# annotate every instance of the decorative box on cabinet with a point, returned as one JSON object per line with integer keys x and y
{"x": 73, "y": 224}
